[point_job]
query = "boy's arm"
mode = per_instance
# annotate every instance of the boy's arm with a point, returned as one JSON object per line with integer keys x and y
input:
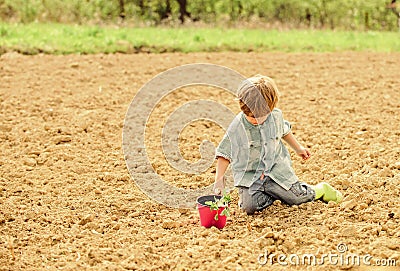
{"x": 295, "y": 145}
{"x": 222, "y": 165}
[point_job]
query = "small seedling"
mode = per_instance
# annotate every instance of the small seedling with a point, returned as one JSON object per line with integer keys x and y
{"x": 222, "y": 202}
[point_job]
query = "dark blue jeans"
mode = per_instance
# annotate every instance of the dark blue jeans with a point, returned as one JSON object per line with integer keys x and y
{"x": 264, "y": 192}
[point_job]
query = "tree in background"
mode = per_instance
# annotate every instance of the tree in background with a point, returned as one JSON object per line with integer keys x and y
{"x": 162, "y": 8}
{"x": 183, "y": 10}
{"x": 393, "y": 7}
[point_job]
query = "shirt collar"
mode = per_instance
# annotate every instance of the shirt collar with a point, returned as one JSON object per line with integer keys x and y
{"x": 248, "y": 124}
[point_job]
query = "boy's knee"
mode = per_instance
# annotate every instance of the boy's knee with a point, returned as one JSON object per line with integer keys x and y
{"x": 255, "y": 203}
{"x": 246, "y": 203}
{"x": 249, "y": 208}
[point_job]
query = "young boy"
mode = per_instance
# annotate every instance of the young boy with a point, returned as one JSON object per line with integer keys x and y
{"x": 260, "y": 162}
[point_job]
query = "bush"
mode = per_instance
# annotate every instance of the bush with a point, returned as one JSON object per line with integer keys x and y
{"x": 333, "y": 14}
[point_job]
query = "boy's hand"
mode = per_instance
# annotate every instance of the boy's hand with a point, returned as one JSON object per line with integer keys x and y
{"x": 303, "y": 153}
{"x": 219, "y": 186}
{"x": 300, "y": 150}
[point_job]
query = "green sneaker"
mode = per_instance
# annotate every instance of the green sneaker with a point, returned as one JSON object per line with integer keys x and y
{"x": 327, "y": 193}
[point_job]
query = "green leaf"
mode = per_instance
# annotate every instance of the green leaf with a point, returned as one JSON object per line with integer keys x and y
{"x": 226, "y": 212}
{"x": 226, "y": 198}
{"x": 222, "y": 202}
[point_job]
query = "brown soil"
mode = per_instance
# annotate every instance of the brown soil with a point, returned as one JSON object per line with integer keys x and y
{"x": 67, "y": 200}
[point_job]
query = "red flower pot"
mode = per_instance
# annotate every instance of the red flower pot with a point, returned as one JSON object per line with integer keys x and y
{"x": 207, "y": 216}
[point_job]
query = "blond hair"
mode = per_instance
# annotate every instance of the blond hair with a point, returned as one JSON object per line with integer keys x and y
{"x": 258, "y": 96}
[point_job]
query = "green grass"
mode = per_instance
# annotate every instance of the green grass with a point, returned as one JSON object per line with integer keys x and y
{"x": 66, "y": 39}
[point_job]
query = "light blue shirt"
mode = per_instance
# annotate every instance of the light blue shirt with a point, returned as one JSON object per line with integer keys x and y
{"x": 256, "y": 149}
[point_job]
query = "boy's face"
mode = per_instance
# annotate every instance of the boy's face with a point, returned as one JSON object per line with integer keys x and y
{"x": 256, "y": 121}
